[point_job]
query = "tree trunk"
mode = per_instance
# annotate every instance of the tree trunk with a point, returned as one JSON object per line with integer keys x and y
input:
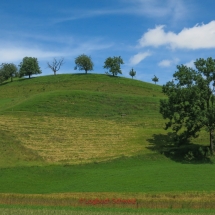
{"x": 54, "y": 72}
{"x": 29, "y": 76}
{"x": 212, "y": 141}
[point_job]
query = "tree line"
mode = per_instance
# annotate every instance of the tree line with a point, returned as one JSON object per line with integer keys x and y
{"x": 29, "y": 66}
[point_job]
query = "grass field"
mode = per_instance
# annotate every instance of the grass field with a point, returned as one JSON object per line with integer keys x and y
{"x": 5, "y": 210}
{"x": 95, "y": 136}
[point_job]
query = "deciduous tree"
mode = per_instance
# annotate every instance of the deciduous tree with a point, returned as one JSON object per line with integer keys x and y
{"x": 113, "y": 65}
{"x": 132, "y": 73}
{"x": 84, "y": 62}
{"x": 29, "y": 66}
{"x": 8, "y": 70}
{"x": 55, "y": 65}
{"x": 155, "y": 79}
{"x": 190, "y": 105}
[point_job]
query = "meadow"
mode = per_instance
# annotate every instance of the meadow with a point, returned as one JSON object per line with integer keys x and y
{"x": 70, "y": 137}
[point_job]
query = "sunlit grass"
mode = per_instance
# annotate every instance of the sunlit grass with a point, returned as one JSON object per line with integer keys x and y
{"x": 67, "y": 137}
{"x": 73, "y": 140}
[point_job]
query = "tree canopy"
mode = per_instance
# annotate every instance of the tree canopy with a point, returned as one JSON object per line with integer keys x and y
{"x": 155, "y": 79}
{"x": 113, "y": 64}
{"x": 8, "y": 70}
{"x": 84, "y": 62}
{"x": 132, "y": 73}
{"x": 29, "y": 66}
{"x": 190, "y": 104}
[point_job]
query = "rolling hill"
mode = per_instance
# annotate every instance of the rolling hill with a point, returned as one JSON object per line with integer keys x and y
{"x": 72, "y": 119}
{"x": 68, "y": 137}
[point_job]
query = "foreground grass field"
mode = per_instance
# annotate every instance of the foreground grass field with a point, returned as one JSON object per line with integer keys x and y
{"x": 77, "y": 135}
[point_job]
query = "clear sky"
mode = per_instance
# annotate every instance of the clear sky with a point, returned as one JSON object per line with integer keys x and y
{"x": 151, "y": 36}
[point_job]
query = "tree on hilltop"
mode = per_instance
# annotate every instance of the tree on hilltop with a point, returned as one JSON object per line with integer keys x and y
{"x": 132, "y": 73}
{"x": 8, "y": 70}
{"x": 84, "y": 62}
{"x": 55, "y": 65}
{"x": 190, "y": 106}
{"x": 113, "y": 64}
{"x": 155, "y": 79}
{"x": 29, "y": 66}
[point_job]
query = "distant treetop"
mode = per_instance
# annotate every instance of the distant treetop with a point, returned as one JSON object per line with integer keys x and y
{"x": 84, "y": 62}
{"x": 29, "y": 66}
{"x": 113, "y": 64}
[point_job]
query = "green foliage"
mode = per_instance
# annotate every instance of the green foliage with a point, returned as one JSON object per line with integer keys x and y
{"x": 113, "y": 64}
{"x": 190, "y": 104}
{"x": 84, "y": 62}
{"x": 155, "y": 79}
{"x": 7, "y": 70}
{"x": 132, "y": 73}
{"x": 2, "y": 78}
{"x": 29, "y": 66}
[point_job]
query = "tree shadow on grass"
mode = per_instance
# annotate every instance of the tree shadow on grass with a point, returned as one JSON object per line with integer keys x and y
{"x": 185, "y": 153}
{"x": 25, "y": 79}
{"x": 16, "y": 80}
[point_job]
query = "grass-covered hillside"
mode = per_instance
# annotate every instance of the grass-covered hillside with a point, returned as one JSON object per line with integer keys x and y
{"x": 68, "y": 137}
{"x": 76, "y": 119}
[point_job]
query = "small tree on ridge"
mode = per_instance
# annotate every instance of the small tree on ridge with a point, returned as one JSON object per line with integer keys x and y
{"x": 29, "y": 66}
{"x": 8, "y": 70}
{"x": 132, "y": 73}
{"x": 84, "y": 62}
{"x": 113, "y": 64}
{"x": 55, "y": 65}
{"x": 155, "y": 79}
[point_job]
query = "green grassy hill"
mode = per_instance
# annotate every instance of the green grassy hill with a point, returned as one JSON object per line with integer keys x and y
{"x": 77, "y": 118}
{"x": 93, "y": 133}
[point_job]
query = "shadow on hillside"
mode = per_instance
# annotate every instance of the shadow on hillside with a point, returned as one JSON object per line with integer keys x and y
{"x": 80, "y": 74}
{"x": 187, "y": 153}
{"x": 4, "y": 83}
{"x": 25, "y": 79}
{"x": 16, "y": 80}
{"x": 111, "y": 76}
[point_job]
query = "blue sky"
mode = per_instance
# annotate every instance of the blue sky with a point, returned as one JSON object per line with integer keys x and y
{"x": 152, "y": 36}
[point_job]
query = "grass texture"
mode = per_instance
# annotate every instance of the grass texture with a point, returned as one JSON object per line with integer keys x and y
{"x": 94, "y": 134}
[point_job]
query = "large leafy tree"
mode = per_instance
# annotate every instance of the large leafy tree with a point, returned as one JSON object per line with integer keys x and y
{"x": 113, "y": 65}
{"x": 8, "y": 70}
{"x": 29, "y": 66}
{"x": 190, "y": 105}
{"x": 84, "y": 62}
